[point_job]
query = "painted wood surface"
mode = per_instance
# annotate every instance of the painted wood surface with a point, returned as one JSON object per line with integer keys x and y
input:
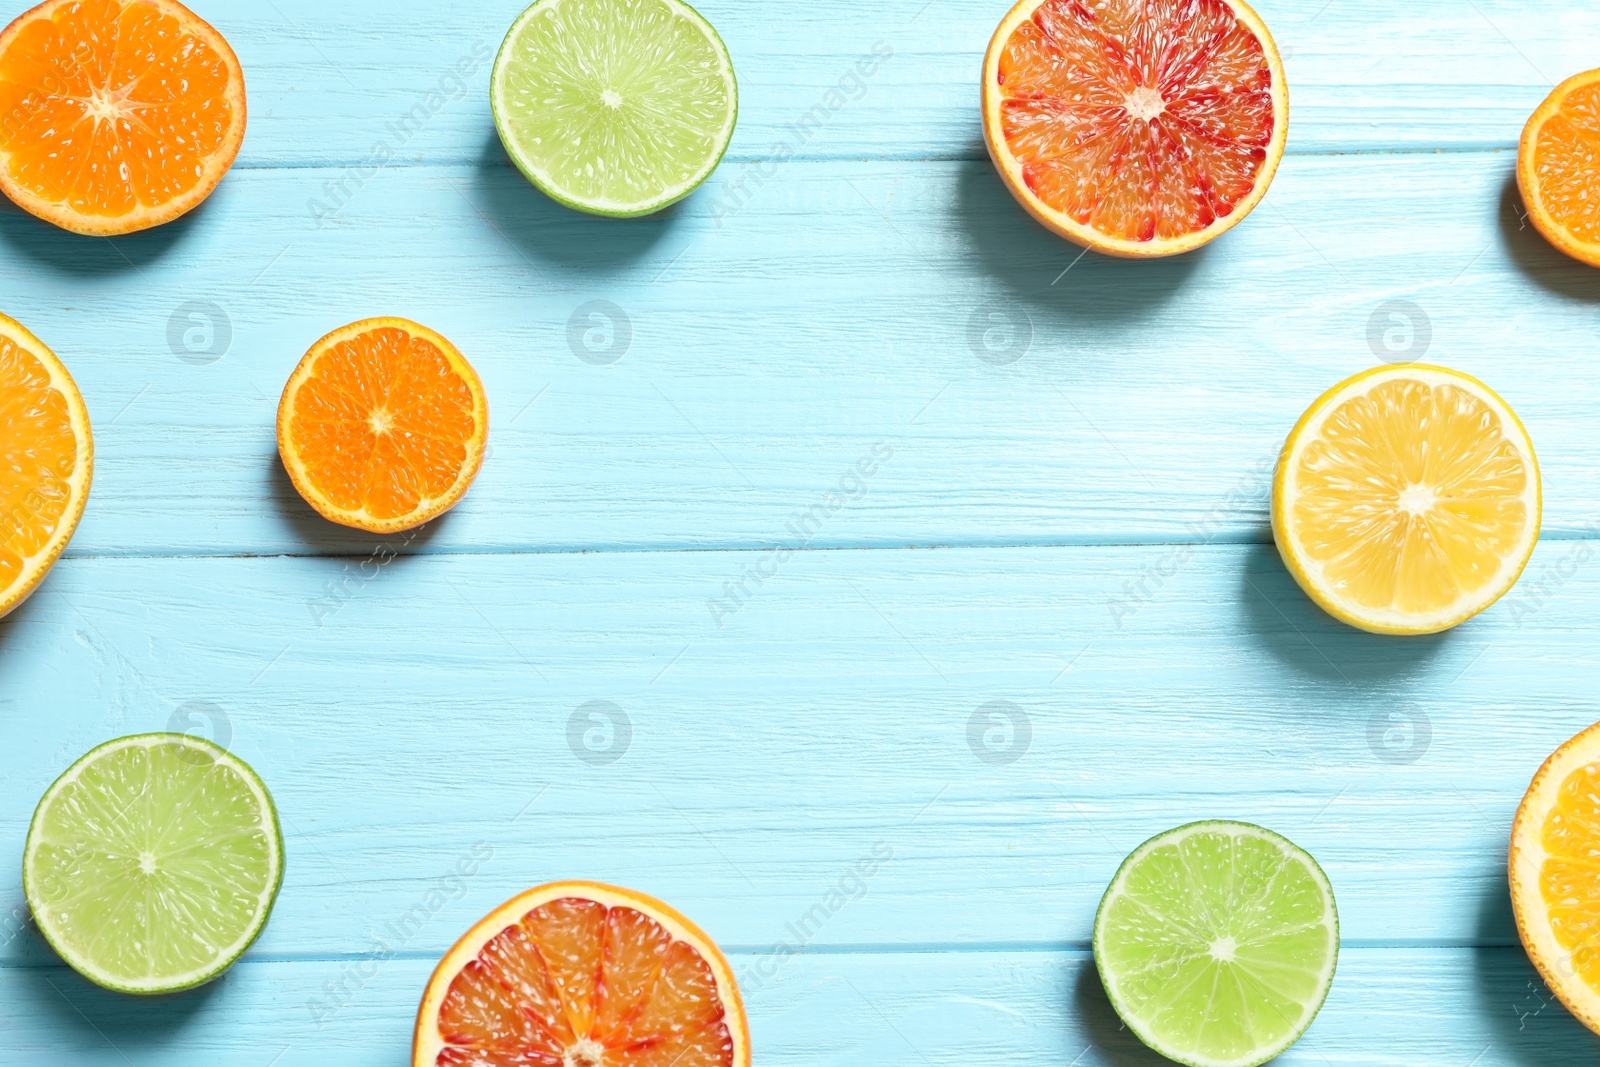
{"x": 610, "y": 662}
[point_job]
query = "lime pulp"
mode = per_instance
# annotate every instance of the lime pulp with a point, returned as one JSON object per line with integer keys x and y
{"x": 1217, "y": 943}
{"x": 614, "y": 107}
{"x": 153, "y": 863}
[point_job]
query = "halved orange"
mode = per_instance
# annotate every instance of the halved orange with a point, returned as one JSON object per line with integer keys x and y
{"x": 578, "y": 974}
{"x": 1557, "y": 171}
{"x": 382, "y": 426}
{"x": 46, "y": 461}
{"x": 1131, "y": 127}
{"x": 1555, "y": 874}
{"x": 116, "y": 115}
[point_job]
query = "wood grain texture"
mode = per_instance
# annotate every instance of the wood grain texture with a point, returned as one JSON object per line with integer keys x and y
{"x": 1419, "y": 1007}
{"x": 819, "y": 354}
{"x": 846, "y": 305}
{"x": 328, "y": 82}
{"x": 405, "y": 714}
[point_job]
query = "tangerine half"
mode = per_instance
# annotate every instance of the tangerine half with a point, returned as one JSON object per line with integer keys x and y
{"x": 382, "y": 426}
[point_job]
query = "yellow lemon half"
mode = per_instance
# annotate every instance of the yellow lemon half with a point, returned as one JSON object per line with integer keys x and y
{"x": 1407, "y": 499}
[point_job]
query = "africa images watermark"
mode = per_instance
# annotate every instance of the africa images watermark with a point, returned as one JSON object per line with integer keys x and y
{"x": 1535, "y": 589}
{"x": 852, "y": 885}
{"x": 337, "y": 592}
{"x": 452, "y": 85}
{"x": 732, "y": 196}
{"x": 1244, "y": 497}
{"x": 396, "y": 935}
{"x": 853, "y": 486}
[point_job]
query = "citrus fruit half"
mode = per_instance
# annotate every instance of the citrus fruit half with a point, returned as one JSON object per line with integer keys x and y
{"x": 577, "y": 974}
{"x": 1407, "y": 499}
{"x": 1135, "y": 129}
{"x": 614, "y": 107}
{"x": 382, "y": 425}
{"x": 153, "y": 863}
{"x": 116, "y": 115}
{"x": 1556, "y": 167}
{"x": 1555, "y": 874}
{"x": 1217, "y": 943}
{"x": 46, "y": 461}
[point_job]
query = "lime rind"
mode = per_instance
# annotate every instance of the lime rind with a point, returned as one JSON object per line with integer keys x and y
{"x": 1284, "y": 963}
{"x": 42, "y": 886}
{"x": 599, "y": 127}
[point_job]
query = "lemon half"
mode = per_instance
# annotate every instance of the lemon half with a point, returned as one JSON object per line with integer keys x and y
{"x": 1407, "y": 499}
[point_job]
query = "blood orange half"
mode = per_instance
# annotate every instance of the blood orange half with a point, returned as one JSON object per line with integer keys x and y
{"x": 577, "y": 974}
{"x": 1135, "y": 127}
{"x": 116, "y": 115}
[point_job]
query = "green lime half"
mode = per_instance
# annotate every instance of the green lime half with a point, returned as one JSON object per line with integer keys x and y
{"x": 614, "y": 107}
{"x": 153, "y": 862}
{"x": 1217, "y": 943}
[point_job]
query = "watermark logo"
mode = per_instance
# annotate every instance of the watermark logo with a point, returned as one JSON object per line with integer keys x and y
{"x": 599, "y": 333}
{"x": 1400, "y": 736}
{"x": 199, "y": 332}
{"x": 353, "y": 578}
{"x": 1399, "y": 331}
{"x": 803, "y": 526}
{"x": 396, "y": 935}
{"x": 1247, "y": 496}
{"x": 732, "y": 196}
{"x": 451, "y": 85}
{"x": 851, "y": 886}
{"x": 599, "y": 733}
{"x": 1538, "y": 587}
{"x": 999, "y": 335}
{"x": 999, "y": 733}
{"x": 202, "y": 719}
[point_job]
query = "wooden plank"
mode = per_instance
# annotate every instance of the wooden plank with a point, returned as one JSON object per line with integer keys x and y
{"x": 329, "y": 83}
{"x": 408, "y": 712}
{"x": 1420, "y": 1007}
{"x": 838, "y": 320}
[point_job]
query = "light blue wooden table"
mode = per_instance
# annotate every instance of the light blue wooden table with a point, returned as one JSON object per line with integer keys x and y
{"x": 1048, "y": 625}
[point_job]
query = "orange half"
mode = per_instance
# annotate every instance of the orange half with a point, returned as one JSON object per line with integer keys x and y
{"x": 1131, "y": 127}
{"x": 46, "y": 461}
{"x": 578, "y": 974}
{"x": 116, "y": 115}
{"x": 1555, "y": 874}
{"x": 1556, "y": 167}
{"x": 382, "y": 426}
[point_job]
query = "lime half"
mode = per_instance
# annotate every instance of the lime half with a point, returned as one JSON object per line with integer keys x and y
{"x": 1217, "y": 943}
{"x": 614, "y": 107}
{"x": 153, "y": 862}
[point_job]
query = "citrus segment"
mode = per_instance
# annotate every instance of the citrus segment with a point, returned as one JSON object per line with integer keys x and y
{"x": 1555, "y": 874}
{"x": 46, "y": 461}
{"x": 116, "y": 115}
{"x": 1217, "y": 943}
{"x": 153, "y": 863}
{"x": 577, "y": 974}
{"x": 382, "y": 426}
{"x": 615, "y": 107}
{"x": 1556, "y": 167}
{"x": 1407, "y": 499}
{"x": 1134, "y": 128}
